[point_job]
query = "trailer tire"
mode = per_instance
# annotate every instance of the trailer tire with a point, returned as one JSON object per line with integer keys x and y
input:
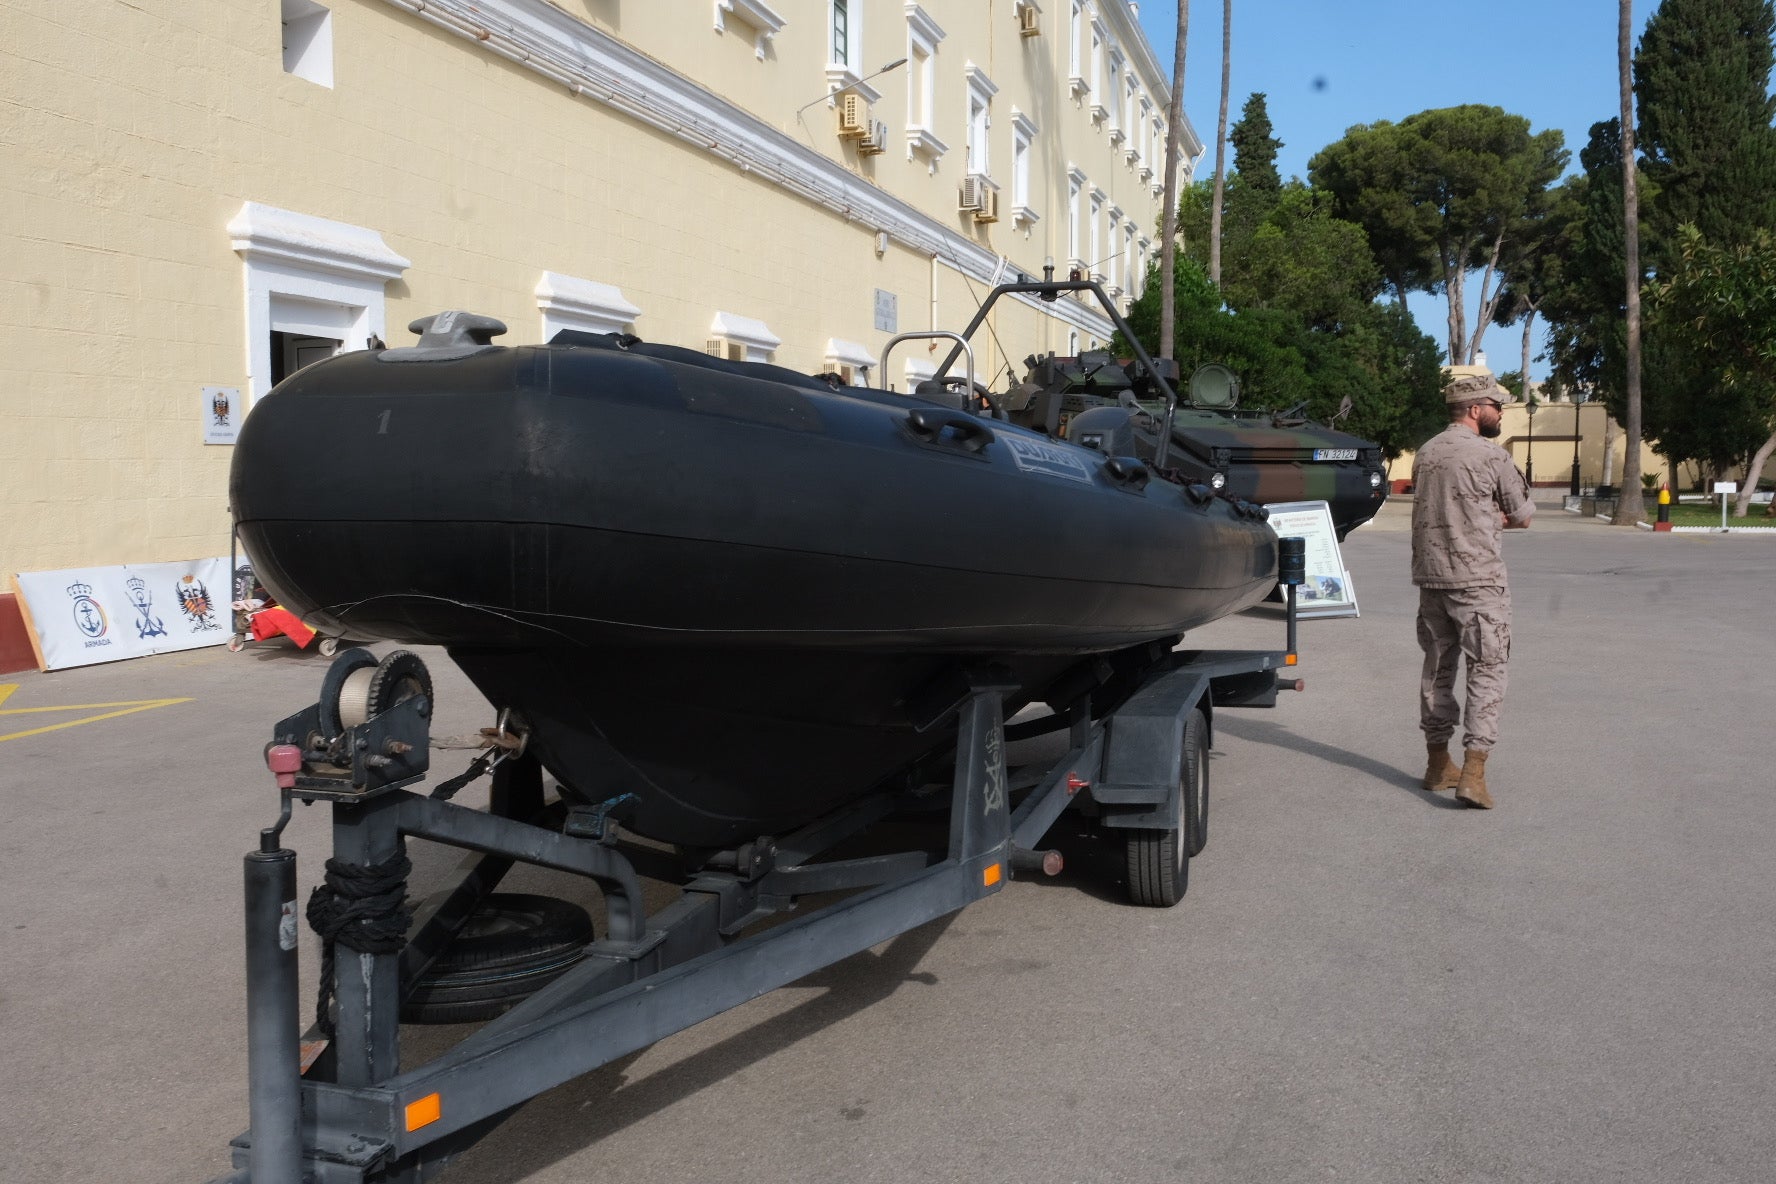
{"x": 1194, "y": 785}
{"x": 513, "y": 945}
{"x": 1159, "y": 859}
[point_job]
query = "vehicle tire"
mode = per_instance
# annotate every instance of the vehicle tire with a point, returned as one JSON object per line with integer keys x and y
{"x": 513, "y": 945}
{"x": 1194, "y": 782}
{"x": 1158, "y": 867}
{"x": 1158, "y": 859}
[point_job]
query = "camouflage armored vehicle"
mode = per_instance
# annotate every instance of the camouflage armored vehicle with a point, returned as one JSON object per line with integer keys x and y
{"x": 1263, "y": 457}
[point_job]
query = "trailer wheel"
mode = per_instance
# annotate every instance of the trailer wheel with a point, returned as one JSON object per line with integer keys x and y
{"x": 1159, "y": 860}
{"x": 512, "y": 946}
{"x": 1195, "y": 784}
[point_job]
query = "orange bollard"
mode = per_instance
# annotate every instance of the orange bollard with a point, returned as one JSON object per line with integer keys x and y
{"x": 1664, "y": 522}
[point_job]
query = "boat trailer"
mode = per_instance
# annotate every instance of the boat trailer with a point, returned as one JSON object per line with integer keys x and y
{"x": 335, "y": 1106}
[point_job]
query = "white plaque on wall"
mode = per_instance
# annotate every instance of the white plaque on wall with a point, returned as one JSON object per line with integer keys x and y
{"x": 222, "y": 412}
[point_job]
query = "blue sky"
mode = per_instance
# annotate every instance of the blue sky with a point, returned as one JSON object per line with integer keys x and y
{"x": 1326, "y": 65}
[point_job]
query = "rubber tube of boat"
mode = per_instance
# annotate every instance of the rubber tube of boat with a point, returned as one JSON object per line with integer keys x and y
{"x": 1291, "y": 572}
{"x": 274, "y": 1091}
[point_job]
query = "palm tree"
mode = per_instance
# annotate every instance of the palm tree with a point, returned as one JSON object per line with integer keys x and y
{"x": 1630, "y": 509}
{"x": 1221, "y": 142}
{"x": 1168, "y": 222}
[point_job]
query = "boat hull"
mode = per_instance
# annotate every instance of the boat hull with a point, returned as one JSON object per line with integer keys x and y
{"x": 720, "y": 588}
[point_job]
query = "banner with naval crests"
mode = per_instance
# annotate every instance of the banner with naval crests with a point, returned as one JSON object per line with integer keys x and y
{"x": 87, "y": 615}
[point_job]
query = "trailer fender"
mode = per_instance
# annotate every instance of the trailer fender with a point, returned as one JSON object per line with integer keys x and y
{"x": 1144, "y": 752}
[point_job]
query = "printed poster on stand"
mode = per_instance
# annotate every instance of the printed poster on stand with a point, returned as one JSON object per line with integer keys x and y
{"x": 1327, "y": 591}
{"x": 83, "y": 616}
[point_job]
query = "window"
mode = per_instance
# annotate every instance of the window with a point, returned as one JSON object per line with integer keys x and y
{"x": 741, "y": 339}
{"x": 1131, "y": 279}
{"x": 1075, "y": 70}
{"x": 1023, "y": 136}
{"x": 1093, "y": 259}
{"x": 311, "y": 278}
{"x": 1113, "y": 253}
{"x": 980, "y": 118}
{"x": 923, "y": 35}
{"x": 568, "y": 302}
{"x": 1076, "y": 259}
{"x": 844, "y": 49}
{"x": 1110, "y": 98}
{"x": 308, "y": 41}
{"x": 841, "y": 35}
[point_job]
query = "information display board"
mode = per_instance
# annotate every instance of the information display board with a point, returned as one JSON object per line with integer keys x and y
{"x": 1327, "y": 590}
{"x": 83, "y": 616}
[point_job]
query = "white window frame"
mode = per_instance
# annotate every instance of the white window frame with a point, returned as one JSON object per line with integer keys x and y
{"x": 1113, "y": 260}
{"x": 569, "y": 302}
{"x": 1130, "y": 280}
{"x": 1023, "y": 140}
{"x": 917, "y": 371}
{"x": 1076, "y": 259}
{"x": 848, "y": 73}
{"x": 761, "y": 18}
{"x": 849, "y": 360}
{"x": 1110, "y": 101}
{"x": 307, "y": 40}
{"x": 311, "y": 276}
{"x": 923, "y": 37}
{"x": 1076, "y": 80}
{"x": 980, "y": 119}
{"x": 756, "y": 341}
{"x": 1092, "y": 260}
{"x": 1100, "y": 37}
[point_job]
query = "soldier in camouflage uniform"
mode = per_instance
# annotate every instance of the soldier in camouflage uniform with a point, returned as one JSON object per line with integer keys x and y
{"x": 1465, "y": 492}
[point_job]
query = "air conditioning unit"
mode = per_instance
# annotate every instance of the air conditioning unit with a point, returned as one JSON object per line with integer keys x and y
{"x": 716, "y": 347}
{"x": 853, "y": 116}
{"x": 1029, "y": 21}
{"x": 876, "y": 142}
{"x": 973, "y": 193}
{"x": 989, "y": 210}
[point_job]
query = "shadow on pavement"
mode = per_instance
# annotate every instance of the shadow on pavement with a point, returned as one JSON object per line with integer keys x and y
{"x": 1260, "y": 732}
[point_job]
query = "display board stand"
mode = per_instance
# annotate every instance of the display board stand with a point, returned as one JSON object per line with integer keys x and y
{"x": 1327, "y": 591}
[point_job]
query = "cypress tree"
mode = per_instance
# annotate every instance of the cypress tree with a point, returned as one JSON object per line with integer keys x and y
{"x": 1702, "y": 77}
{"x": 1255, "y": 149}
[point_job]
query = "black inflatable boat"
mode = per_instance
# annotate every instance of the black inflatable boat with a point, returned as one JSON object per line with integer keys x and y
{"x": 726, "y": 595}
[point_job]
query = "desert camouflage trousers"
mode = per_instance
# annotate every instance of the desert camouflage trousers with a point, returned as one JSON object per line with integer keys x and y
{"x": 1457, "y": 623}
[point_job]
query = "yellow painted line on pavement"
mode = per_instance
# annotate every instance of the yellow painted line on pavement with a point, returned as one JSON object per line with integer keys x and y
{"x": 126, "y": 707}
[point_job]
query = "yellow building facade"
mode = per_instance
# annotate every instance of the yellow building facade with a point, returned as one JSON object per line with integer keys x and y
{"x": 204, "y": 194}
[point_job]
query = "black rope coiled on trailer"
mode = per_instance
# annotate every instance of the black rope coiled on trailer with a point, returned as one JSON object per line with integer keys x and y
{"x": 363, "y": 908}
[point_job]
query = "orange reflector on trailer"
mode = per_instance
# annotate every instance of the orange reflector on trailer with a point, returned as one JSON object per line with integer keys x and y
{"x": 423, "y": 1112}
{"x": 990, "y": 876}
{"x": 1289, "y": 660}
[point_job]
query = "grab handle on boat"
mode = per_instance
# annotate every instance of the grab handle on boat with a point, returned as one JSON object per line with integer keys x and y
{"x": 928, "y": 425}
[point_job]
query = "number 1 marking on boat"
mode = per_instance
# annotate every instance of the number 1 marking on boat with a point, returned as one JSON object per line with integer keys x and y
{"x": 383, "y": 419}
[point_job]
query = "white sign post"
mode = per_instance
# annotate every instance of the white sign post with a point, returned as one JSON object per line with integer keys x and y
{"x": 1327, "y": 590}
{"x": 1726, "y": 489}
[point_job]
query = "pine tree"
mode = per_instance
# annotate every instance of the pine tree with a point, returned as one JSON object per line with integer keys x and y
{"x": 1702, "y": 78}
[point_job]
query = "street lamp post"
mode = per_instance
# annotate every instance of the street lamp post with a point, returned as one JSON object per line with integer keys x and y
{"x": 1529, "y": 457}
{"x": 1575, "y": 478}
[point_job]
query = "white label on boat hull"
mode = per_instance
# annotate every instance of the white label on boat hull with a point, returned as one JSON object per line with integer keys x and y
{"x": 1054, "y": 460}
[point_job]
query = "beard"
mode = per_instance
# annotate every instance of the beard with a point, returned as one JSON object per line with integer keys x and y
{"x": 1492, "y": 430}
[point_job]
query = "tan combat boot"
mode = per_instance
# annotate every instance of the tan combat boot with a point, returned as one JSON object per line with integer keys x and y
{"x": 1471, "y": 789}
{"x": 1440, "y": 772}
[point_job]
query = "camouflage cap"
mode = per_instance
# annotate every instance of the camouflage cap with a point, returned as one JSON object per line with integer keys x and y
{"x": 1467, "y": 383}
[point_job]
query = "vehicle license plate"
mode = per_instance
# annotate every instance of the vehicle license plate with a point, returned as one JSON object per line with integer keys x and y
{"x": 1335, "y": 454}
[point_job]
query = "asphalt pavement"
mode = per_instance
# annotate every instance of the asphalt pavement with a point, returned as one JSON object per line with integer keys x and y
{"x": 1364, "y": 982}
